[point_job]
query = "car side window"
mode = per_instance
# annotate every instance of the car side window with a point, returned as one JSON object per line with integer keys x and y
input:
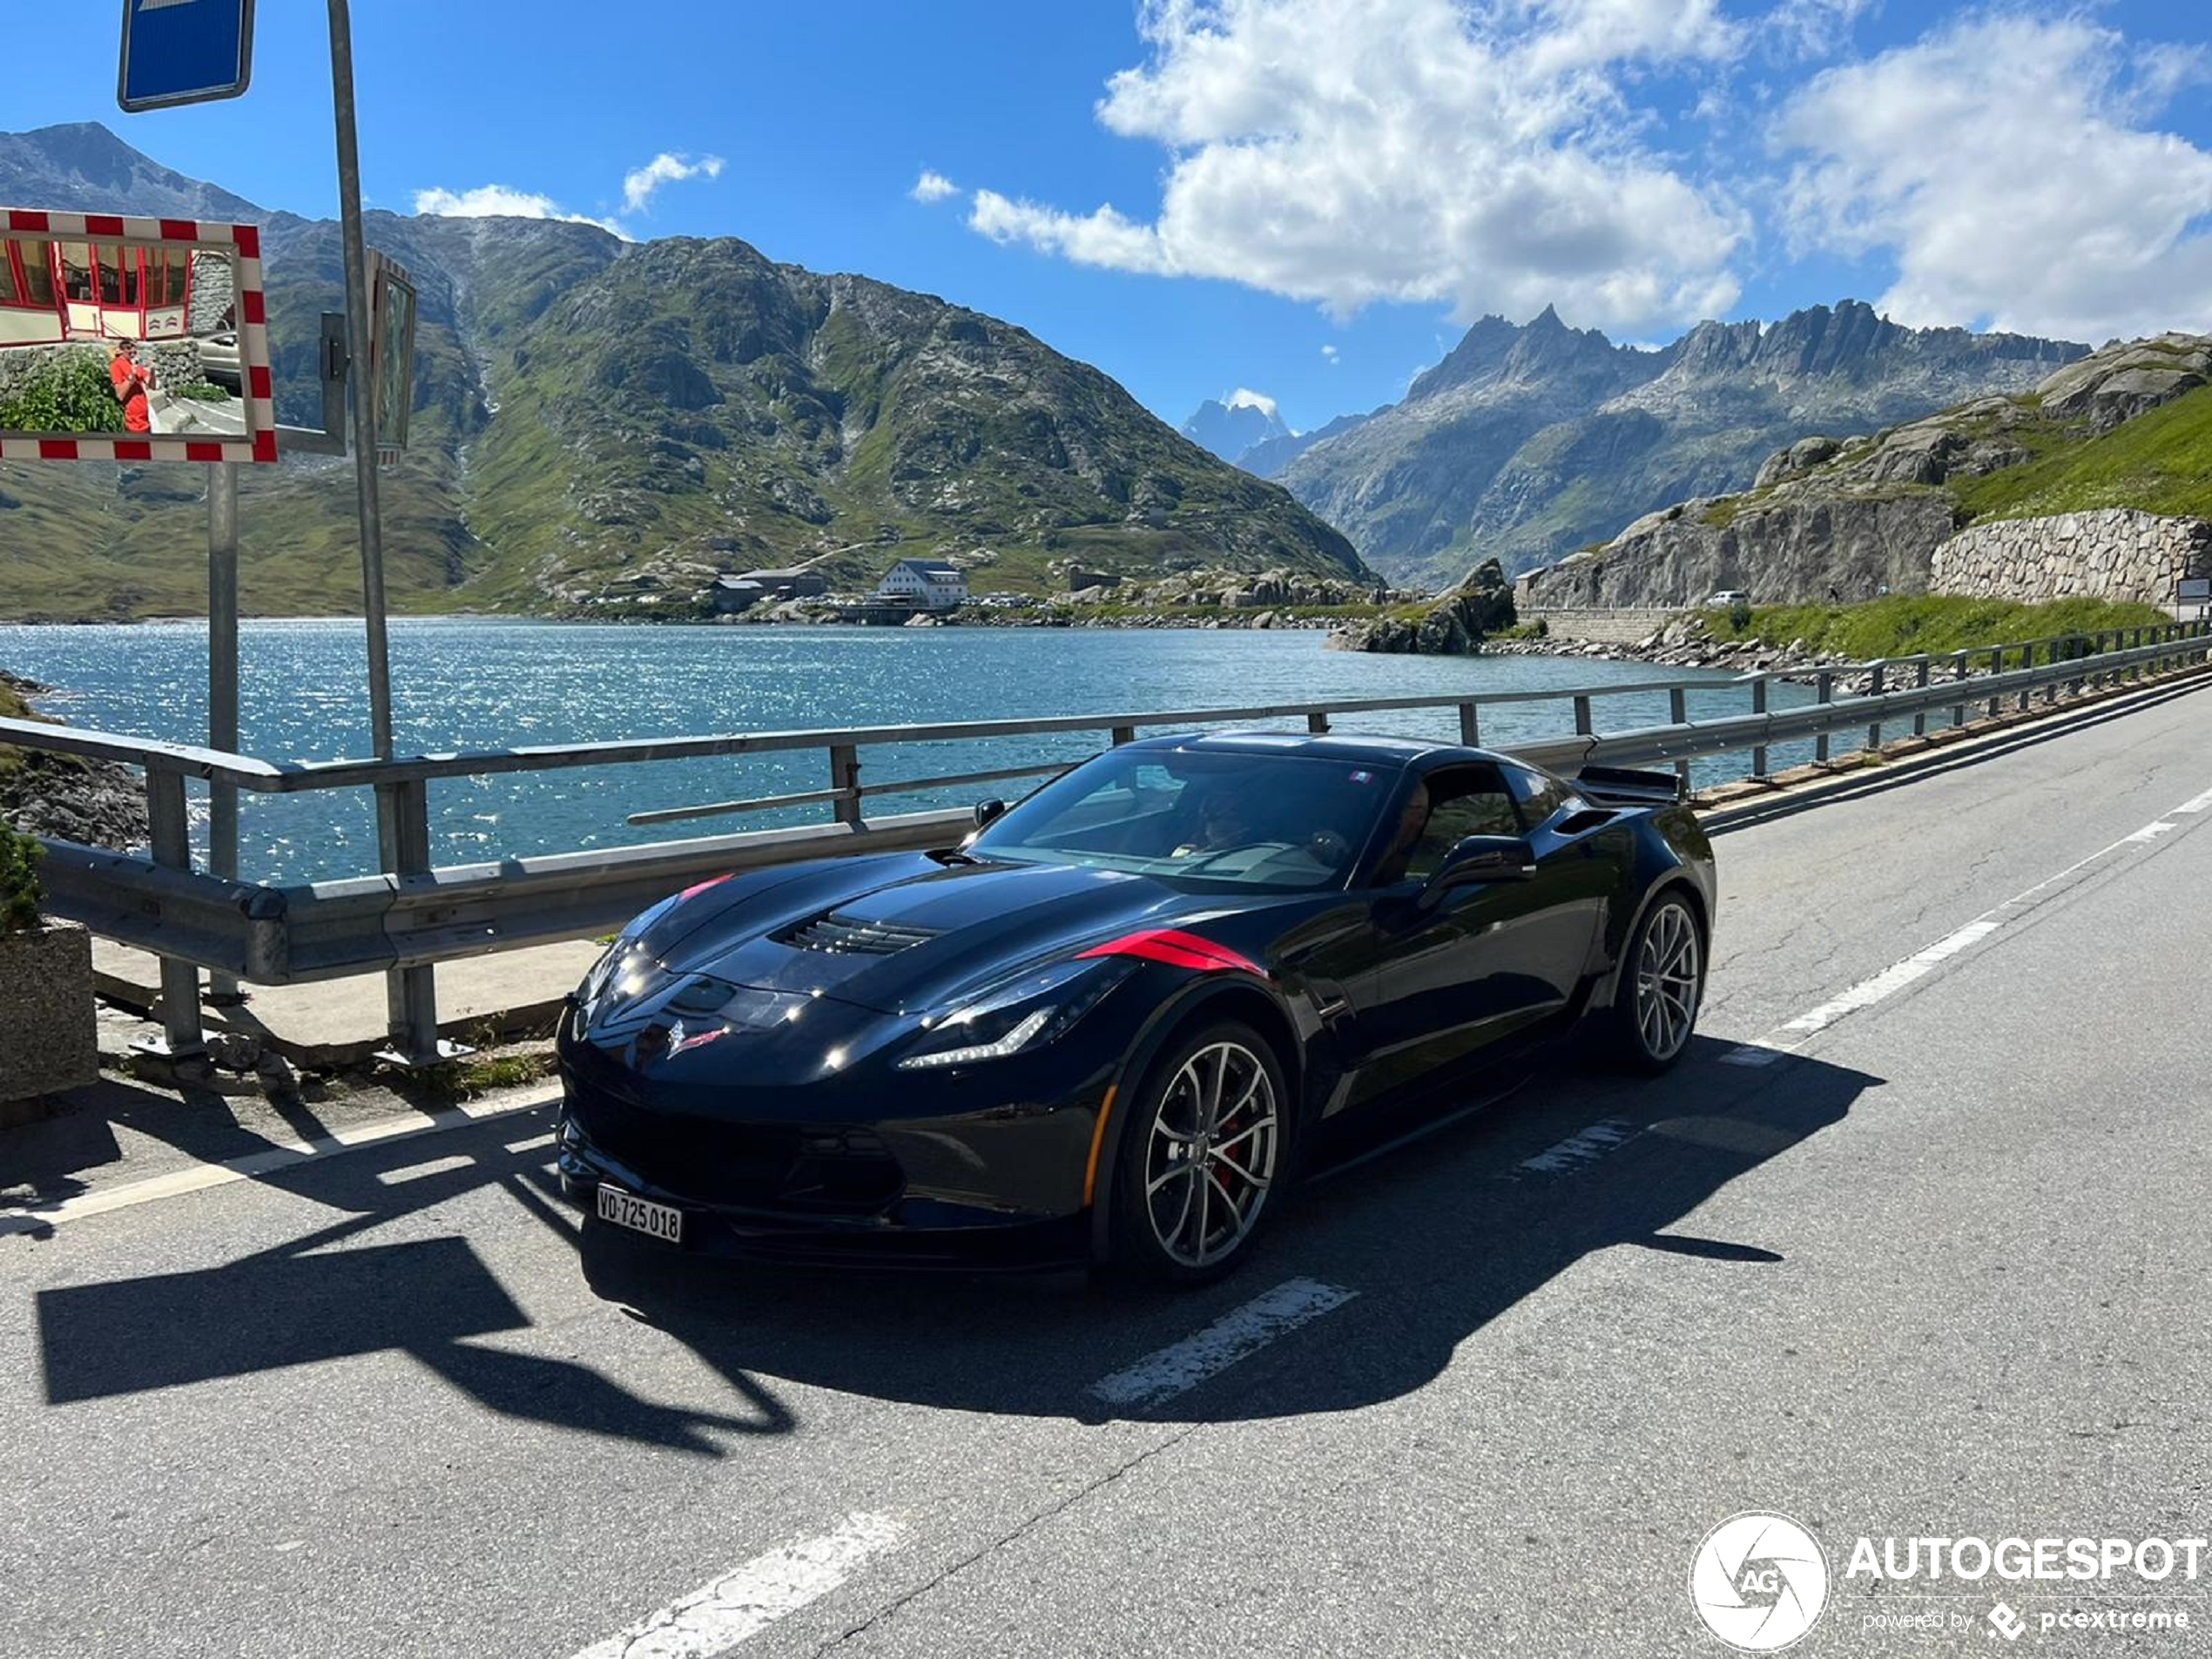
{"x": 1540, "y": 796}
{"x": 1455, "y": 802}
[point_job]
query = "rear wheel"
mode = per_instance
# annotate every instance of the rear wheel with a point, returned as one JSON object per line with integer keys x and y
{"x": 1199, "y": 1155}
{"x": 1661, "y": 984}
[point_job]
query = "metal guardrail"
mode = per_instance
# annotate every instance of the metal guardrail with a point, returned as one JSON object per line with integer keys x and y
{"x": 404, "y": 921}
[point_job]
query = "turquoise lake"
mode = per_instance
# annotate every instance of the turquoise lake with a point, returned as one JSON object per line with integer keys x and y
{"x": 467, "y": 684}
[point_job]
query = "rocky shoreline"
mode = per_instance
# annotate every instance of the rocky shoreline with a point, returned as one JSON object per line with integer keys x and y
{"x": 1685, "y": 644}
{"x": 68, "y": 798}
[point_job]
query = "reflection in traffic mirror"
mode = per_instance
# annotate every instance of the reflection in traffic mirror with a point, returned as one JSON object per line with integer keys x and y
{"x": 111, "y": 335}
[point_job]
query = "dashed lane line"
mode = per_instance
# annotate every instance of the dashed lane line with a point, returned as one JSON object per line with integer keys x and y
{"x": 1786, "y": 1039}
{"x": 1237, "y": 1334}
{"x": 717, "y": 1617}
{"x": 1583, "y": 1148}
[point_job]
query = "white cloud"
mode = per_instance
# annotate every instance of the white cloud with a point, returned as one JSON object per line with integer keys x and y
{"x": 1346, "y": 152}
{"x": 2011, "y": 167}
{"x": 1245, "y": 398}
{"x": 499, "y": 201}
{"x": 639, "y": 184}
{"x": 932, "y": 187}
{"x": 1803, "y": 30}
{"x": 1329, "y": 352}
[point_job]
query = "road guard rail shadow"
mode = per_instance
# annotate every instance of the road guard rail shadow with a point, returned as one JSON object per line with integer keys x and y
{"x": 404, "y": 921}
{"x": 336, "y": 1292}
{"x": 1437, "y": 1240}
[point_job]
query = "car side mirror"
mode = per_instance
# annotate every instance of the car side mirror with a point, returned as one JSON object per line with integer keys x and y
{"x": 988, "y": 811}
{"x": 1481, "y": 858}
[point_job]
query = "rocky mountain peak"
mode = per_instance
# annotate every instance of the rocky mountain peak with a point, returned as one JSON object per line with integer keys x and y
{"x": 81, "y": 166}
{"x": 1232, "y": 429}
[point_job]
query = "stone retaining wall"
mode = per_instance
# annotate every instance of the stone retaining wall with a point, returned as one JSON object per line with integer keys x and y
{"x": 1604, "y": 627}
{"x": 2115, "y": 553}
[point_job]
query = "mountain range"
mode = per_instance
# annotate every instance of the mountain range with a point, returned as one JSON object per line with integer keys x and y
{"x": 1233, "y": 429}
{"x": 605, "y": 428}
{"x": 1528, "y": 442}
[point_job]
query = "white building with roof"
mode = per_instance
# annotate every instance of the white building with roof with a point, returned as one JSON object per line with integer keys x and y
{"x": 930, "y": 583}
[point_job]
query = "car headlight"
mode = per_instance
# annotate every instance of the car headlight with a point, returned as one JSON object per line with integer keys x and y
{"x": 626, "y": 971}
{"x": 1026, "y": 1011}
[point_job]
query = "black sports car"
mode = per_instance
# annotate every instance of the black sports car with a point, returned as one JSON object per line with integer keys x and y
{"x": 1105, "y": 1026}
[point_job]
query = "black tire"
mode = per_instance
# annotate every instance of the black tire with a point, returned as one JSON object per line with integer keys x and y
{"x": 1202, "y": 1147}
{"x": 1659, "y": 987}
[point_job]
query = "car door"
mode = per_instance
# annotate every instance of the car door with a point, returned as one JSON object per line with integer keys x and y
{"x": 1481, "y": 964}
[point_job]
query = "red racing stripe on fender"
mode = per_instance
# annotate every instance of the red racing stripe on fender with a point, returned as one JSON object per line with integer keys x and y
{"x": 1175, "y": 947}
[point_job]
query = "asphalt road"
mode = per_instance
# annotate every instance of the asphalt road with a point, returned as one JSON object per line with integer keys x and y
{"x": 1933, "y": 1268}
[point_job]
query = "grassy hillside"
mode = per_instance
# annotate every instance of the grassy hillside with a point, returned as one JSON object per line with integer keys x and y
{"x": 602, "y": 429}
{"x": 2159, "y": 462}
{"x": 1910, "y": 625}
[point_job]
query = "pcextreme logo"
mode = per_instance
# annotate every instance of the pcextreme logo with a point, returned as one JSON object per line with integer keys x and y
{"x": 1759, "y": 1581}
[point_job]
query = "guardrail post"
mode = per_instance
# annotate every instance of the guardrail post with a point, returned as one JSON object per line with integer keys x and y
{"x": 1758, "y": 706}
{"x": 1876, "y": 678}
{"x": 1920, "y": 715}
{"x": 2027, "y": 692}
{"x": 1996, "y": 666}
{"x": 1318, "y": 724}
{"x": 1959, "y": 670}
{"x": 411, "y": 993}
{"x": 1470, "y": 726}
{"x": 845, "y": 777}
{"x": 1584, "y": 726}
{"x": 181, "y": 1037}
{"x": 1123, "y": 734}
{"x": 1678, "y": 714}
{"x": 1824, "y": 692}
{"x": 2134, "y": 643}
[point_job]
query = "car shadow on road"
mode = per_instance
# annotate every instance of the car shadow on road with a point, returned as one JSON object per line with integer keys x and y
{"x": 1438, "y": 1237}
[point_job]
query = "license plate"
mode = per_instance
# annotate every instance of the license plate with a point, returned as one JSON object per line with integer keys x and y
{"x": 661, "y": 1221}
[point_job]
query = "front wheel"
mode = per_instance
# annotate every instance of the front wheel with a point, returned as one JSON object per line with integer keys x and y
{"x": 1662, "y": 982}
{"x": 1200, "y": 1152}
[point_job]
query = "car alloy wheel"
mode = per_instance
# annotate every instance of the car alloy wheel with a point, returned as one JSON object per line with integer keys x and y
{"x": 1669, "y": 978}
{"x": 1210, "y": 1149}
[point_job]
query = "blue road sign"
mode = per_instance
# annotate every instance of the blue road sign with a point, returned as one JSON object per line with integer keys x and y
{"x": 183, "y": 51}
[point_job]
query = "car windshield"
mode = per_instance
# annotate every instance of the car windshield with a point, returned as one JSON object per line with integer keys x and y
{"x": 1202, "y": 818}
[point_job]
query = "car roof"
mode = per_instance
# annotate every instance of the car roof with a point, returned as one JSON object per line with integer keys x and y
{"x": 1398, "y": 753}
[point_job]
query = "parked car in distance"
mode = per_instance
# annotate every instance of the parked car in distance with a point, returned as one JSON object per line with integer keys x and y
{"x": 1729, "y": 596}
{"x": 219, "y": 360}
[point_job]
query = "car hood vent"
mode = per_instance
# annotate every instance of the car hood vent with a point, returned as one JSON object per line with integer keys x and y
{"x": 850, "y": 936}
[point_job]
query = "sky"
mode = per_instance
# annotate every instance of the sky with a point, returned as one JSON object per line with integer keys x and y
{"x": 1304, "y": 200}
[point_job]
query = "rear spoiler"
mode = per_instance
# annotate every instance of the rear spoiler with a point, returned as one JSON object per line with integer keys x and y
{"x": 1627, "y": 786}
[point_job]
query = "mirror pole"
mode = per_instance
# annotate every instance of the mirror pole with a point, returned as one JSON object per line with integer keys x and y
{"x": 222, "y": 686}
{"x": 357, "y": 330}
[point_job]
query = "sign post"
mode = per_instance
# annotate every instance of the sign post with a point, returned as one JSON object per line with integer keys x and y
{"x": 183, "y": 51}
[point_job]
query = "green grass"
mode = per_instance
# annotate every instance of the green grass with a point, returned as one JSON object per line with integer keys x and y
{"x": 1908, "y": 625}
{"x": 12, "y": 707}
{"x": 2159, "y": 462}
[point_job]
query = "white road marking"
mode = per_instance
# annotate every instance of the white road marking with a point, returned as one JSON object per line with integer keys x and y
{"x": 34, "y": 1218}
{"x": 1236, "y": 1334}
{"x": 424, "y": 1171}
{"x": 1787, "y": 1038}
{"x": 1584, "y": 1148}
{"x": 717, "y": 1617}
